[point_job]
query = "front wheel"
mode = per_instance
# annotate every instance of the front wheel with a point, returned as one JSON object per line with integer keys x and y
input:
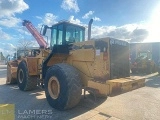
{"x": 62, "y": 86}
{"x": 25, "y": 82}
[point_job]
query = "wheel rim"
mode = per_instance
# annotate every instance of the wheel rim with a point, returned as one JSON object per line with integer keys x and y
{"x": 54, "y": 87}
{"x": 20, "y": 76}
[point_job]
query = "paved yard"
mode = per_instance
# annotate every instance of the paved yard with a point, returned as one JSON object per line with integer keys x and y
{"x": 140, "y": 104}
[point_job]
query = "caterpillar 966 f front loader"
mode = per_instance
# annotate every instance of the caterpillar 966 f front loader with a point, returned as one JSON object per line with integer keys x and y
{"x": 101, "y": 66}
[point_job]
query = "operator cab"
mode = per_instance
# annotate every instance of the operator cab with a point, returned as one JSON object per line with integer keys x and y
{"x": 144, "y": 55}
{"x": 64, "y": 33}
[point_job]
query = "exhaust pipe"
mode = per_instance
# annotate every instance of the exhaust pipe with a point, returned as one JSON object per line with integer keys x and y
{"x": 89, "y": 29}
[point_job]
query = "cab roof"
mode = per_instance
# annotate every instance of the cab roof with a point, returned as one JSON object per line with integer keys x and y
{"x": 68, "y": 23}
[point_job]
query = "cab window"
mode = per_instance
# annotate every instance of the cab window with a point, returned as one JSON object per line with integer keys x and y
{"x": 74, "y": 34}
{"x": 57, "y": 35}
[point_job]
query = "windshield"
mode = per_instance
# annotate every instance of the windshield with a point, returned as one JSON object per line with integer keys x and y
{"x": 74, "y": 34}
{"x": 143, "y": 55}
{"x": 66, "y": 33}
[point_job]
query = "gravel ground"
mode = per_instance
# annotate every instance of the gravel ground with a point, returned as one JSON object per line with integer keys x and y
{"x": 139, "y": 104}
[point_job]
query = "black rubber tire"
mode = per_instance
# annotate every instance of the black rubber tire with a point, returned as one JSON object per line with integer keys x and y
{"x": 28, "y": 83}
{"x": 70, "y": 86}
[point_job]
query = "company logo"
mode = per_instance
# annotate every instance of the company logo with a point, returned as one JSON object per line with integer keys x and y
{"x": 7, "y": 112}
{"x": 118, "y": 42}
{"x": 34, "y": 114}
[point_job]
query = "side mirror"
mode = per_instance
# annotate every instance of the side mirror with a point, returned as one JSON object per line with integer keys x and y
{"x": 44, "y": 30}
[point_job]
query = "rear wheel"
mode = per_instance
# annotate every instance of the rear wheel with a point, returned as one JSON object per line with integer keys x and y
{"x": 25, "y": 82}
{"x": 62, "y": 86}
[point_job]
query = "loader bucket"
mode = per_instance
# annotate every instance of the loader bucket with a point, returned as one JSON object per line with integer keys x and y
{"x": 11, "y": 72}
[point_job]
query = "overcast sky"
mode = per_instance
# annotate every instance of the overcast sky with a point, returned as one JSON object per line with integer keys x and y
{"x": 130, "y": 20}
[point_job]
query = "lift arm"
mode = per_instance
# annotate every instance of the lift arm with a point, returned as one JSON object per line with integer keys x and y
{"x": 42, "y": 43}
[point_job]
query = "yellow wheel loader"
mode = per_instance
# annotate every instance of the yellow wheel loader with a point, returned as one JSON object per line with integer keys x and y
{"x": 72, "y": 64}
{"x": 144, "y": 63}
{"x": 12, "y": 65}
